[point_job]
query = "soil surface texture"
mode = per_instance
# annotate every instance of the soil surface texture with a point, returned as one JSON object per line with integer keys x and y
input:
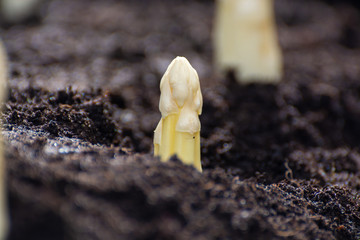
{"x": 279, "y": 161}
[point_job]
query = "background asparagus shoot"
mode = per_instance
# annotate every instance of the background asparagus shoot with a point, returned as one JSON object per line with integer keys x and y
{"x": 3, "y": 205}
{"x": 18, "y": 10}
{"x": 178, "y": 131}
{"x": 245, "y": 40}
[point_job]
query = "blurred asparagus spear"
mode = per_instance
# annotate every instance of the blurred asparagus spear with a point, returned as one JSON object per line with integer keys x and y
{"x": 14, "y": 11}
{"x": 245, "y": 40}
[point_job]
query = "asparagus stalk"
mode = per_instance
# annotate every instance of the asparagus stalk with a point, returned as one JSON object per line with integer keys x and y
{"x": 245, "y": 40}
{"x": 178, "y": 131}
{"x": 14, "y": 11}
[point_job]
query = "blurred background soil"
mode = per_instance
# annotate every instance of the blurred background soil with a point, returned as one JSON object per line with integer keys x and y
{"x": 280, "y": 161}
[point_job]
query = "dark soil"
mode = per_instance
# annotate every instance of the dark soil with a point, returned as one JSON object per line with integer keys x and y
{"x": 280, "y": 161}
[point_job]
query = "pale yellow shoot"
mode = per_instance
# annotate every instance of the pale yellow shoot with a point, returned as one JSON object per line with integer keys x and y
{"x": 178, "y": 131}
{"x": 167, "y": 140}
{"x": 4, "y": 223}
{"x": 245, "y": 40}
{"x": 157, "y": 138}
